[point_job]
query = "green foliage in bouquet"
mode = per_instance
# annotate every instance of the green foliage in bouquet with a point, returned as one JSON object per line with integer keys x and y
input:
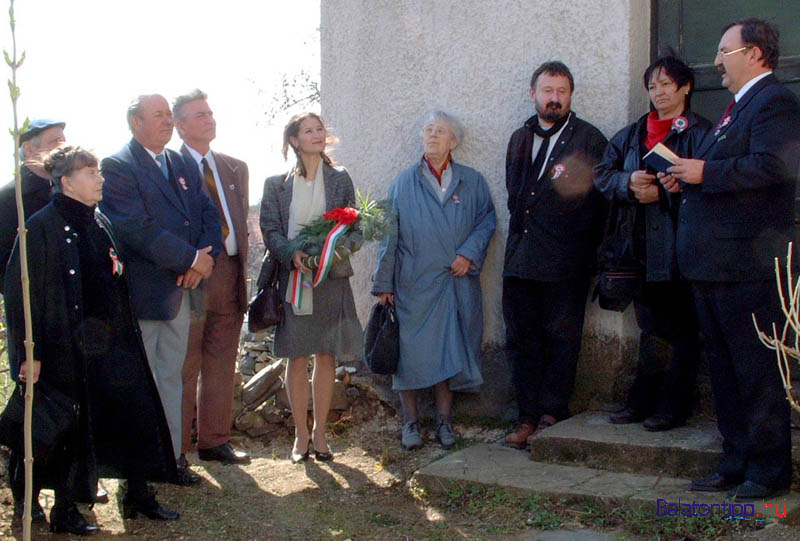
{"x": 369, "y": 220}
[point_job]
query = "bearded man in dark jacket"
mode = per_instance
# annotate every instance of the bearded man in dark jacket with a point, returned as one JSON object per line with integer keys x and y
{"x": 556, "y": 221}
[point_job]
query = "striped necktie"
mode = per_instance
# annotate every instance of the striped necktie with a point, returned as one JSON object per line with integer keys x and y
{"x": 211, "y": 184}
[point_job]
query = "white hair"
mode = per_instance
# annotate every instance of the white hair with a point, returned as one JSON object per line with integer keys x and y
{"x": 456, "y": 128}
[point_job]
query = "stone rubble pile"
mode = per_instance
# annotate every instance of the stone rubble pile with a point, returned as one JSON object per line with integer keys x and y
{"x": 261, "y": 408}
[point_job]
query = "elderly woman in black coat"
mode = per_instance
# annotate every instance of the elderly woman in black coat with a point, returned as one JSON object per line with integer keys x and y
{"x": 88, "y": 347}
{"x": 669, "y": 347}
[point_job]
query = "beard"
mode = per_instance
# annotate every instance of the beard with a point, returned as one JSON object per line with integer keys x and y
{"x": 552, "y": 111}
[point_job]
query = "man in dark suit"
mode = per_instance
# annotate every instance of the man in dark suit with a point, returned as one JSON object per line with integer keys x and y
{"x": 736, "y": 216}
{"x": 555, "y": 226}
{"x": 41, "y": 137}
{"x": 217, "y": 325}
{"x": 170, "y": 235}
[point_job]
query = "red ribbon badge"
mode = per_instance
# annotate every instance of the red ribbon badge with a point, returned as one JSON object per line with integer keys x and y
{"x": 116, "y": 265}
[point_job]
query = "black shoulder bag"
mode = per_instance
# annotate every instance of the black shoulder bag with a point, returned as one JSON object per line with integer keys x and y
{"x": 382, "y": 340}
{"x": 54, "y": 415}
{"x": 266, "y": 308}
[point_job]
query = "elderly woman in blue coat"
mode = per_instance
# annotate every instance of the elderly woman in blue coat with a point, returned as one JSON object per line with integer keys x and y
{"x": 430, "y": 270}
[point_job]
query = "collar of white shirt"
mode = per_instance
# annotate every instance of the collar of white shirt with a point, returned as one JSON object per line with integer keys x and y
{"x": 748, "y": 85}
{"x": 199, "y": 157}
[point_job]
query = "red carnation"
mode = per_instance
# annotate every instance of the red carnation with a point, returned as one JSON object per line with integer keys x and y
{"x": 346, "y": 215}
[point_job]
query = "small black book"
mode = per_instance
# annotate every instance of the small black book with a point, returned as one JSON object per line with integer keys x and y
{"x": 659, "y": 158}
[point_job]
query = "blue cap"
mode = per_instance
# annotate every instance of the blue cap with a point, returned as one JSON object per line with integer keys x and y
{"x": 37, "y": 126}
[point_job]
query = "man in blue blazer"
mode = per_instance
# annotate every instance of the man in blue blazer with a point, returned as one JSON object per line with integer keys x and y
{"x": 170, "y": 235}
{"x": 736, "y": 216}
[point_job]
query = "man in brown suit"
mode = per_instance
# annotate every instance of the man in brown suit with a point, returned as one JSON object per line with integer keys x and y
{"x": 218, "y": 313}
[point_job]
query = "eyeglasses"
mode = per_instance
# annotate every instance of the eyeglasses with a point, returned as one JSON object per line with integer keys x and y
{"x": 728, "y": 53}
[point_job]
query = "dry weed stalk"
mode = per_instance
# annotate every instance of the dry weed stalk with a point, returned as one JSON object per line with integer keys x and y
{"x": 785, "y": 345}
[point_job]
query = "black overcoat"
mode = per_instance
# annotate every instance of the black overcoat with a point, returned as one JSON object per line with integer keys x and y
{"x": 612, "y": 175}
{"x": 101, "y": 364}
{"x": 35, "y": 195}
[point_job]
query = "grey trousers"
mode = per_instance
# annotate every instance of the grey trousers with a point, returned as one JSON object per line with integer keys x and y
{"x": 165, "y": 343}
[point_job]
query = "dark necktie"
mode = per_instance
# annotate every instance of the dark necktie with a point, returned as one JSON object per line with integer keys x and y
{"x": 545, "y": 134}
{"x": 538, "y": 162}
{"x": 727, "y": 110}
{"x": 211, "y": 184}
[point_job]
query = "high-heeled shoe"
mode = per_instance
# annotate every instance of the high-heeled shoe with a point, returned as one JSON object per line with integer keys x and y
{"x": 323, "y": 456}
{"x": 296, "y": 457}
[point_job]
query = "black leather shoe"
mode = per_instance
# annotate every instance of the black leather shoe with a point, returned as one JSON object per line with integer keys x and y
{"x": 713, "y": 483}
{"x": 70, "y": 520}
{"x": 37, "y": 513}
{"x": 626, "y": 417}
{"x": 224, "y": 453}
{"x": 186, "y": 477}
{"x": 323, "y": 456}
{"x": 750, "y": 490}
{"x": 149, "y": 507}
{"x": 661, "y": 422}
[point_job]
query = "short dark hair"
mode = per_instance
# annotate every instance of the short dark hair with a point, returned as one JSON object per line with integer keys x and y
{"x": 762, "y": 34}
{"x": 676, "y": 70}
{"x": 65, "y": 160}
{"x": 554, "y": 67}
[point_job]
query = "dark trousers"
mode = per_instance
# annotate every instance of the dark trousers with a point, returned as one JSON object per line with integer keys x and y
{"x": 669, "y": 350}
{"x": 544, "y": 323}
{"x": 56, "y": 469}
{"x": 752, "y": 410}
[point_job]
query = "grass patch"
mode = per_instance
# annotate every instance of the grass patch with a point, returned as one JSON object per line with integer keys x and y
{"x": 504, "y": 512}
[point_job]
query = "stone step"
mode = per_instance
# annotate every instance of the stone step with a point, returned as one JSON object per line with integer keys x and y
{"x": 588, "y": 439}
{"x": 498, "y": 466}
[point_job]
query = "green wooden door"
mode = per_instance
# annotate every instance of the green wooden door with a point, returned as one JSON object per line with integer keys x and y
{"x": 693, "y": 29}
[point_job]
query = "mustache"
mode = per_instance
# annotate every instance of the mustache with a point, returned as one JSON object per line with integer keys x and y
{"x": 553, "y": 105}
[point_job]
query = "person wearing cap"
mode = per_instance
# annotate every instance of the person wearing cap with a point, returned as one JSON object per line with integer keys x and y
{"x": 41, "y": 137}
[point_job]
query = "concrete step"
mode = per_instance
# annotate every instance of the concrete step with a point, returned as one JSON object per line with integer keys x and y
{"x": 498, "y": 466}
{"x": 588, "y": 439}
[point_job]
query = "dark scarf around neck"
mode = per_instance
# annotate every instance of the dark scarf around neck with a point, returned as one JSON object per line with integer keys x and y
{"x": 552, "y": 130}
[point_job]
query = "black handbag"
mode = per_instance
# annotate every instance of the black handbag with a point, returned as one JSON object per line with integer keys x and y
{"x": 54, "y": 415}
{"x": 266, "y": 308}
{"x": 621, "y": 274}
{"x": 382, "y": 340}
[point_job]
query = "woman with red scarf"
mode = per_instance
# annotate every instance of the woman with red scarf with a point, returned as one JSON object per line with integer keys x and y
{"x": 669, "y": 347}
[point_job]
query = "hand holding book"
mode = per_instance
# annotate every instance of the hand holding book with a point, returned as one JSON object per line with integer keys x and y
{"x": 660, "y": 158}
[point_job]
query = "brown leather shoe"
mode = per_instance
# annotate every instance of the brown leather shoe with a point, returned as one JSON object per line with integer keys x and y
{"x": 519, "y": 438}
{"x": 545, "y": 421}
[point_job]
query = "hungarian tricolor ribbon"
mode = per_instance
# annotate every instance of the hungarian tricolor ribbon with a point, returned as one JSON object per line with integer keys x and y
{"x": 296, "y": 285}
{"x": 328, "y": 254}
{"x": 116, "y": 265}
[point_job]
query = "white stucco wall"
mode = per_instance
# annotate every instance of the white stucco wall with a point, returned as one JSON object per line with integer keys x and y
{"x": 385, "y": 63}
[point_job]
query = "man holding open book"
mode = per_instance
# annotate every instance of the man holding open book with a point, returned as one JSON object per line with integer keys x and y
{"x": 736, "y": 216}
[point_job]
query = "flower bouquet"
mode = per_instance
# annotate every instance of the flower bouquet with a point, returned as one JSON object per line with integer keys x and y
{"x": 341, "y": 232}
